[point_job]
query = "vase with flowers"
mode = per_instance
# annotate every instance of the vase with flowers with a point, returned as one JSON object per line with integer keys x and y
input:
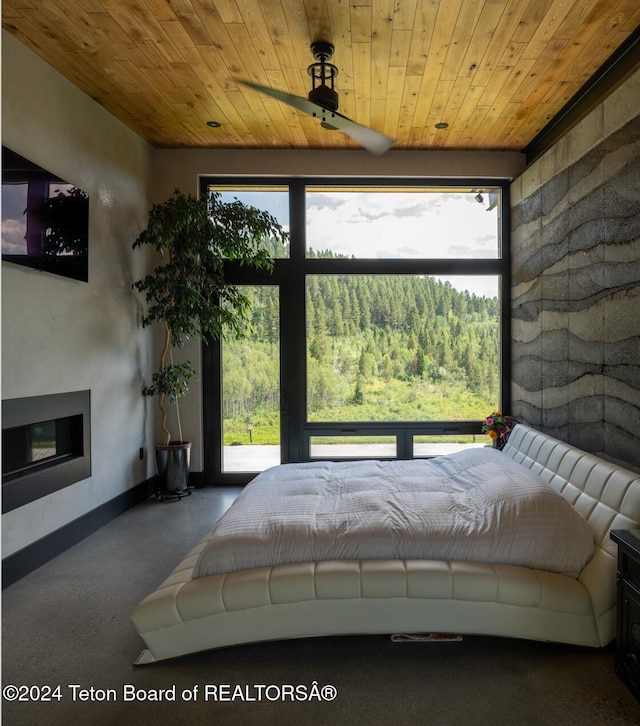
{"x": 498, "y": 427}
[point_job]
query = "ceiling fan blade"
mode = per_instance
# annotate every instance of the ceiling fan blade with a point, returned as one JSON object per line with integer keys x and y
{"x": 374, "y": 141}
{"x": 302, "y": 104}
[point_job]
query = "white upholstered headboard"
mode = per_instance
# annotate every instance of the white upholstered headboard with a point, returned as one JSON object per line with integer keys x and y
{"x": 607, "y": 496}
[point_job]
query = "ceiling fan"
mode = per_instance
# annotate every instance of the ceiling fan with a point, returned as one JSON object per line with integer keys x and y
{"x": 322, "y": 102}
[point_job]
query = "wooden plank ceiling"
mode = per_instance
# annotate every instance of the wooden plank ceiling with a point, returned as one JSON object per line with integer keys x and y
{"x": 495, "y": 71}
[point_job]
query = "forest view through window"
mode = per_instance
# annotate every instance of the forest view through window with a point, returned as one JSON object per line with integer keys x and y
{"x": 380, "y": 333}
{"x": 400, "y": 348}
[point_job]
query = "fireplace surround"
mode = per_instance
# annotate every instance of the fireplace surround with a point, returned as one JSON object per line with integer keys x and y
{"x": 46, "y": 445}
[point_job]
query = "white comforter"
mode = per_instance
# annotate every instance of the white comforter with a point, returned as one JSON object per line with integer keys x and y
{"x": 476, "y": 505}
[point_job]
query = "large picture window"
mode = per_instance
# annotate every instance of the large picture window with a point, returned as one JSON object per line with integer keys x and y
{"x": 382, "y": 333}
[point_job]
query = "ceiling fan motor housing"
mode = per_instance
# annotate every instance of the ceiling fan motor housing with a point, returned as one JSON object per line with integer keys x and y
{"x": 325, "y": 97}
{"x": 323, "y": 93}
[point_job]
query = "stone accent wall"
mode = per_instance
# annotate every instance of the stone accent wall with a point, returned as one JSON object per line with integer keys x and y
{"x": 576, "y": 297}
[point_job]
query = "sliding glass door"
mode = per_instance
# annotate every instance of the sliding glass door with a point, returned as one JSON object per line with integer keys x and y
{"x": 250, "y": 377}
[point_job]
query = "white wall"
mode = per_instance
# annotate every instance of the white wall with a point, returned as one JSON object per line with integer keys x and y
{"x": 61, "y": 335}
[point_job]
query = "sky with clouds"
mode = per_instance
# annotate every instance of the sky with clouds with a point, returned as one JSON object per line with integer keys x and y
{"x": 395, "y": 224}
{"x": 401, "y": 225}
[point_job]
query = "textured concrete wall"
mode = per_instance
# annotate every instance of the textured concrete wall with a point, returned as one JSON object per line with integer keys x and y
{"x": 576, "y": 289}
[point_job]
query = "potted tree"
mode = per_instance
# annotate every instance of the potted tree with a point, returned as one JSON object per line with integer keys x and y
{"x": 187, "y": 293}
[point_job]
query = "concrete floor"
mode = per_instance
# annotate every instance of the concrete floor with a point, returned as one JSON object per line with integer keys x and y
{"x": 67, "y": 624}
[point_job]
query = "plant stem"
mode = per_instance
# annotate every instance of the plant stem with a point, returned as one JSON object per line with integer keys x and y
{"x": 177, "y": 406}
{"x": 167, "y": 339}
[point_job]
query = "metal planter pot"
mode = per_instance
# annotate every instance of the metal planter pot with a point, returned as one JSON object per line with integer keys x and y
{"x": 172, "y": 461}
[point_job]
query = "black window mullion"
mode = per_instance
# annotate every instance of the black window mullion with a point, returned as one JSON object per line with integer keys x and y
{"x": 293, "y": 331}
{"x": 293, "y": 367}
{"x": 212, "y": 413}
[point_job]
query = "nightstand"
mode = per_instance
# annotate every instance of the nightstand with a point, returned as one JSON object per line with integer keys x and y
{"x": 628, "y": 616}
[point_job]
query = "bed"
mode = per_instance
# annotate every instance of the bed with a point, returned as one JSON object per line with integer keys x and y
{"x": 408, "y": 594}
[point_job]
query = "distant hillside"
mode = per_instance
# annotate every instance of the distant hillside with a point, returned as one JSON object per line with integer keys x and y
{"x": 383, "y": 347}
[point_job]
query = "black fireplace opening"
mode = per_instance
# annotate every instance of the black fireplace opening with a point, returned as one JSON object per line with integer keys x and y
{"x": 45, "y": 445}
{"x": 35, "y": 446}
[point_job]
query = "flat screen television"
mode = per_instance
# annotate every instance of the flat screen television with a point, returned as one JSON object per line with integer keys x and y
{"x": 45, "y": 220}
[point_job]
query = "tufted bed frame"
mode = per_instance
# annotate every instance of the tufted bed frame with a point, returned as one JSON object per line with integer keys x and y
{"x": 412, "y": 596}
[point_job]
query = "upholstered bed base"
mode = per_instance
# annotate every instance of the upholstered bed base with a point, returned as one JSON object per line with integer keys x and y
{"x": 411, "y": 596}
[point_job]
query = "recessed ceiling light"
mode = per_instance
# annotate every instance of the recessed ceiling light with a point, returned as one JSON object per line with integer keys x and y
{"x": 442, "y": 125}
{"x": 214, "y": 124}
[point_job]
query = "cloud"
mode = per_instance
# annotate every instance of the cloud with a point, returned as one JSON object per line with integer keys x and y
{"x": 464, "y": 251}
{"x": 319, "y": 201}
{"x": 415, "y": 210}
{"x": 402, "y": 252}
{"x": 13, "y": 242}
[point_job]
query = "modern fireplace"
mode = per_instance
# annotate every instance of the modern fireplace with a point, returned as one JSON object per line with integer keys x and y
{"x": 45, "y": 445}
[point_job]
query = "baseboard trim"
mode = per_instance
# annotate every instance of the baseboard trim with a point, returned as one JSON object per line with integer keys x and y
{"x": 28, "y": 559}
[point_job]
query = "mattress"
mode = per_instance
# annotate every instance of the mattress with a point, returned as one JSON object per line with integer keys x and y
{"x": 475, "y": 506}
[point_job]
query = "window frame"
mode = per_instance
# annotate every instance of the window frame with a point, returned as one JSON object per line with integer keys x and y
{"x": 289, "y": 275}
